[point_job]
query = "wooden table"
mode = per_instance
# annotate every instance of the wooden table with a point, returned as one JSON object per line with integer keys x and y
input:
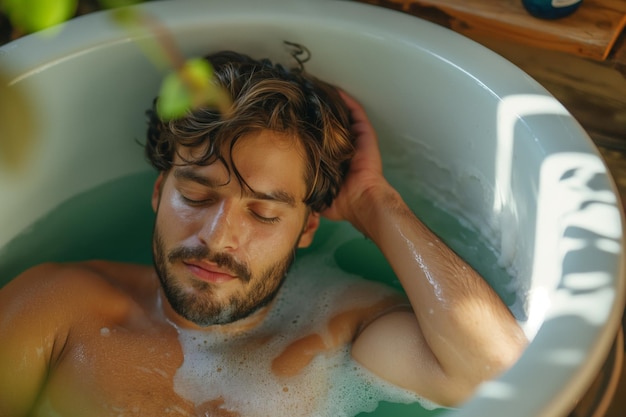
{"x": 594, "y": 31}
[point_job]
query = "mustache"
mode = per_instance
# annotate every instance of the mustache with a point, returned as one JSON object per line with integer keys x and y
{"x": 222, "y": 260}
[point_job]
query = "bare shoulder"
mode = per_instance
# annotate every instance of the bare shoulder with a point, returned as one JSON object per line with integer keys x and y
{"x": 49, "y": 280}
{"x": 51, "y": 300}
{"x": 35, "y": 302}
{"x": 39, "y": 310}
{"x": 52, "y": 287}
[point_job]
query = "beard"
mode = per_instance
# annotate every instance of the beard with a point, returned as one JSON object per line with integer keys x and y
{"x": 200, "y": 305}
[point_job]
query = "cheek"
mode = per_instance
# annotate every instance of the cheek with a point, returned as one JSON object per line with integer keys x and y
{"x": 174, "y": 218}
{"x": 270, "y": 245}
{"x": 178, "y": 209}
{"x": 175, "y": 210}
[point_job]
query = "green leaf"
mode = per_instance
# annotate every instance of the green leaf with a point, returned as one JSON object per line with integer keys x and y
{"x": 190, "y": 88}
{"x": 199, "y": 72}
{"x": 113, "y": 4}
{"x": 36, "y": 15}
{"x": 175, "y": 98}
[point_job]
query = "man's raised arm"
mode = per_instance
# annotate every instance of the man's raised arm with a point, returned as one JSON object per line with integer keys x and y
{"x": 460, "y": 333}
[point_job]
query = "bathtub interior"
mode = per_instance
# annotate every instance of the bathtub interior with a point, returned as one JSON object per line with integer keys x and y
{"x": 460, "y": 128}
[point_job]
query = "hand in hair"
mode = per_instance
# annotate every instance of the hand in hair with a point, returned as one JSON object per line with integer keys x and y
{"x": 364, "y": 180}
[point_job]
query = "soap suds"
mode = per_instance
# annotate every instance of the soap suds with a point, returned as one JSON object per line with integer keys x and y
{"x": 238, "y": 370}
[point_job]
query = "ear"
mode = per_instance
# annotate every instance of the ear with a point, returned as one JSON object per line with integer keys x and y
{"x": 156, "y": 191}
{"x": 310, "y": 227}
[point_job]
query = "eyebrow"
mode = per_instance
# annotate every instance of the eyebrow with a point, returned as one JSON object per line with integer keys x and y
{"x": 189, "y": 174}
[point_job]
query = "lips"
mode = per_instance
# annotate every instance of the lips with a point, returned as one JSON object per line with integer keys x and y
{"x": 209, "y": 272}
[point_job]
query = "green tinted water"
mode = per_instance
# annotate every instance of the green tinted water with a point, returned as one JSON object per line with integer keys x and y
{"x": 114, "y": 221}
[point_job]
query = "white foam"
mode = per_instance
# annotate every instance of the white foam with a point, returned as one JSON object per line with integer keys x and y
{"x": 238, "y": 371}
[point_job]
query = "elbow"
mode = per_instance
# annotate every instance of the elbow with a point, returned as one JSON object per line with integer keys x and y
{"x": 495, "y": 363}
{"x": 508, "y": 354}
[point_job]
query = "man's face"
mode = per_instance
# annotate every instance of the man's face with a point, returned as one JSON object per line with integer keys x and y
{"x": 222, "y": 250}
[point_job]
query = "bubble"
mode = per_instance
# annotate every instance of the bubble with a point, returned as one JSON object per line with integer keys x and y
{"x": 239, "y": 369}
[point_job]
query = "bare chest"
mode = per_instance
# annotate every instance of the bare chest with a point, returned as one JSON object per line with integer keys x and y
{"x": 119, "y": 372}
{"x": 294, "y": 364}
{"x": 115, "y": 371}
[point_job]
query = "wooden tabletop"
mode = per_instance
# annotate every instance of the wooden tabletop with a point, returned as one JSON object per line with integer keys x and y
{"x": 594, "y": 31}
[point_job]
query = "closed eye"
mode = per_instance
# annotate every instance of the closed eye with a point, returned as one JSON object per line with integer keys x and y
{"x": 196, "y": 202}
{"x": 266, "y": 220}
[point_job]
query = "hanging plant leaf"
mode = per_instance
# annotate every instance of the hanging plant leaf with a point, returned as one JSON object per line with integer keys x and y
{"x": 189, "y": 88}
{"x": 35, "y": 15}
{"x": 113, "y": 4}
{"x": 191, "y": 85}
{"x": 174, "y": 98}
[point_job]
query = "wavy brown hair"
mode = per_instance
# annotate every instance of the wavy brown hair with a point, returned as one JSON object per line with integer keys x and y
{"x": 265, "y": 96}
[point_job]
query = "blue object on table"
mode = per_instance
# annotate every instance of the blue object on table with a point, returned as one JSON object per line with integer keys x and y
{"x": 551, "y": 9}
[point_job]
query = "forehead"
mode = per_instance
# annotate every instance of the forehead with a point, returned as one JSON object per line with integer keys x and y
{"x": 265, "y": 160}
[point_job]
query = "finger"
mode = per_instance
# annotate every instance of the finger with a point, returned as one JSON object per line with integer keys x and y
{"x": 366, "y": 140}
{"x": 360, "y": 121}
{"x": 358, "y": 113}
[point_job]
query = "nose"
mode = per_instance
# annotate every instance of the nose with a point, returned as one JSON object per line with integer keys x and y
{"x": 220, "y": 230}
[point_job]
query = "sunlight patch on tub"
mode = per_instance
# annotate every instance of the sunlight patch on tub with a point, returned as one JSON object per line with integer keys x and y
{"x": 497, "y": 390}
{"x": 608, "y": 245}
{"x": 566, "y": 356}
{"x": 573, "y": 216}
{"x": 588, "y": 281}
{"x": 593, "y": 308}
{"x": 598, "y": 214}
{"x": 538, "y": 304}
{"x": 510, "y": 110}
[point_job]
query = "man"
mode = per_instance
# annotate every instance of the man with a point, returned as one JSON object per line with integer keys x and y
{"x": 236, "y": 196}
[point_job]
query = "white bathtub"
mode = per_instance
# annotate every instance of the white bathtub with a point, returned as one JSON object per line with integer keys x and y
{"x": 458, "y": 124}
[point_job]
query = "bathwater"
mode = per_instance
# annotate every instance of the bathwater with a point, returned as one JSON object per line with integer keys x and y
{"x": 114, "y": 221}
